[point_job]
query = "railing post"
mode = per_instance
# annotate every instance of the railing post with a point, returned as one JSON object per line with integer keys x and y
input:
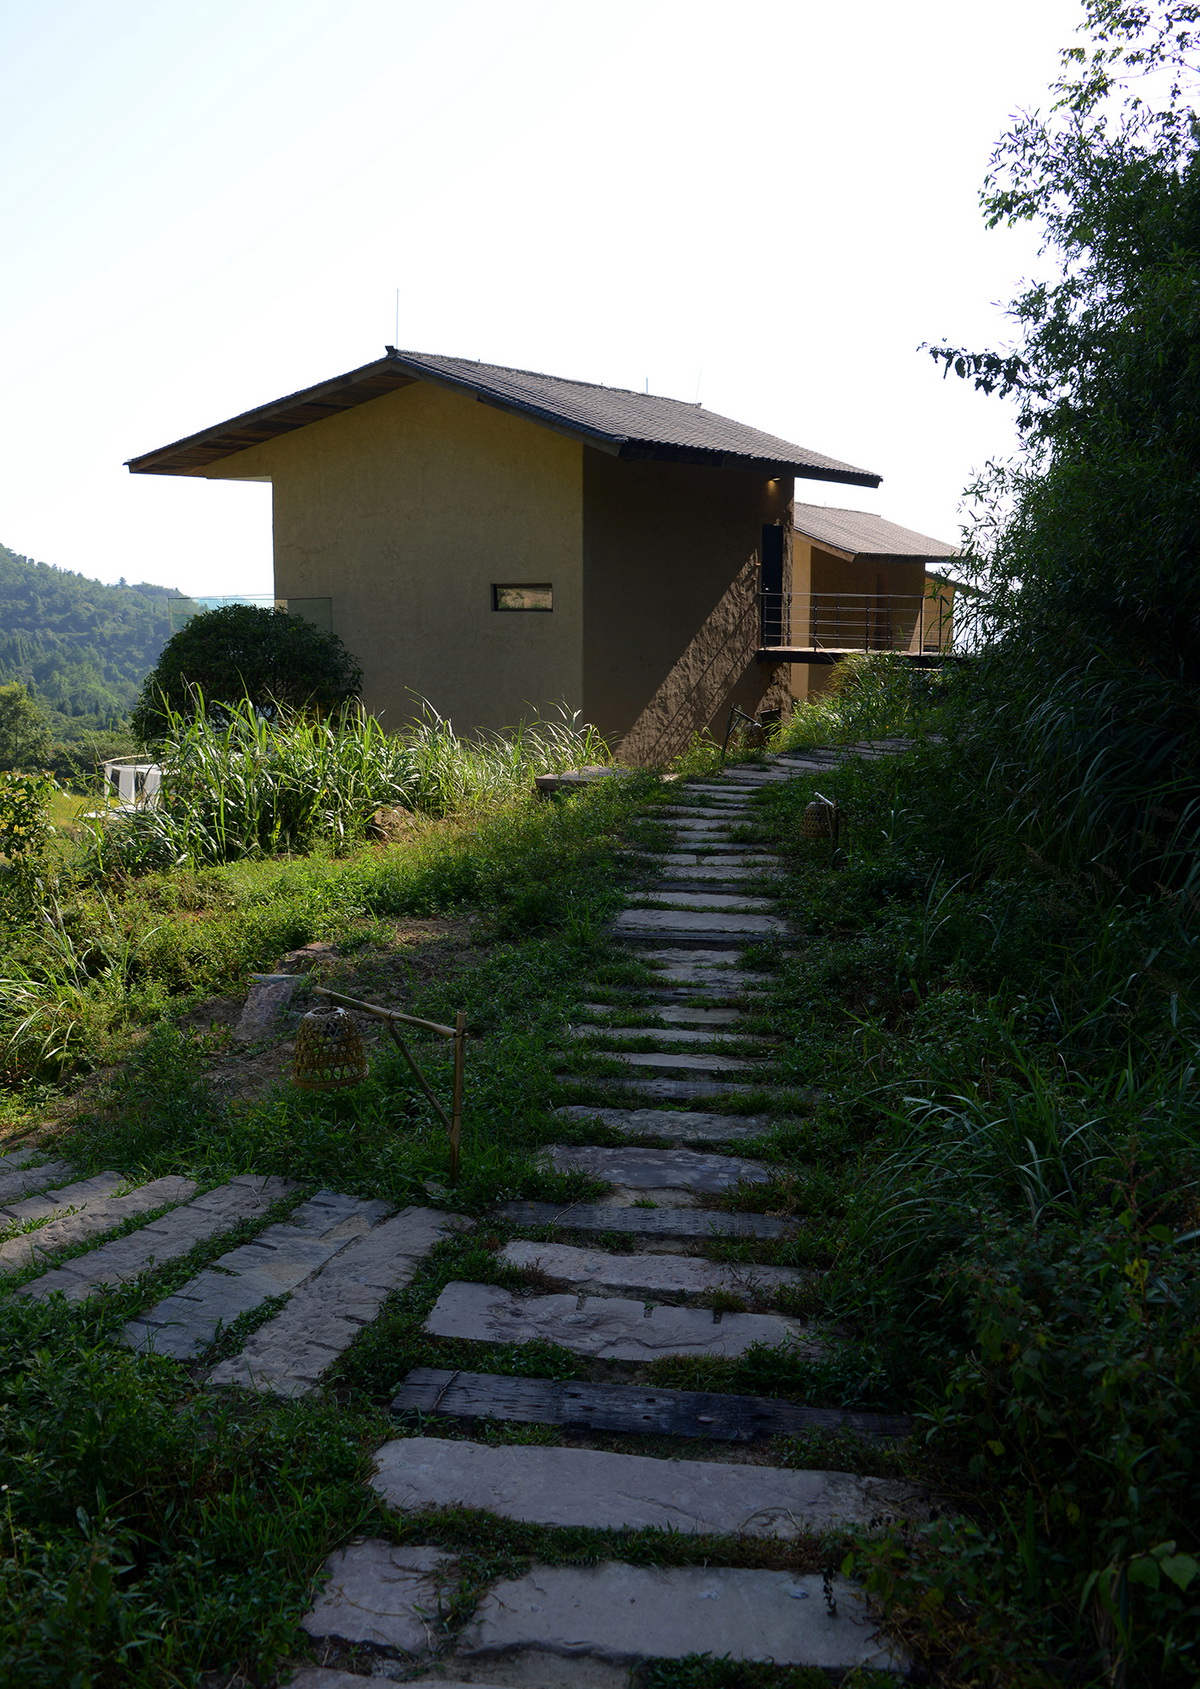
{"x": 456, "y": 1106}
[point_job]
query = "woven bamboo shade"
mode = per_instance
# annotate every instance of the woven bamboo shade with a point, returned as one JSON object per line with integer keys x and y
{"x": 330, "y": 1054}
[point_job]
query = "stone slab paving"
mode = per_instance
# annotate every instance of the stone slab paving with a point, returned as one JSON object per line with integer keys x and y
{"x": 17, "y": 1179}
{"x": 692, "y": 1224}
{"x": 678, "y": 1061}
{"x": 673, "y": 1014}
{"x": 649, "y": 1275}
{"x": 674, "y": 1090}
{"x": 596, "y": 1035}
{"x": 607, "y": 1328}
{"x": 326, "y": 1677}
{"x": 165, "y": 1239}
{"x": 381, "y": 1594}
{"x": 289, "y": 1355}
{"x": 724, "y": 980}
{"x": 705, "y": 924}
{"x": 681, "y": 1126}
{"x": 731, "y": 902}
{"x": 659, "y": 1169}
{"x": 625, "y": 1614}
{"x": 74, "y": 1195}
{"x": 708, "y": 860}
{"x": 101, "y": 1212}
{"x": 275, "y": 1263}
{"x": 571, "y": 1487}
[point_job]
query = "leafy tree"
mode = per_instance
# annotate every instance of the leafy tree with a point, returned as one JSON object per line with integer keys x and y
{"x": 1088, "y": 542}
{"x": 24, "y": 731}
{"x": 237, "y": 652}
{"x": 80, "y": 647}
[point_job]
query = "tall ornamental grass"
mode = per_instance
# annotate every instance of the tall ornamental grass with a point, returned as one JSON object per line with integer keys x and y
{"x": 237, "y": 784}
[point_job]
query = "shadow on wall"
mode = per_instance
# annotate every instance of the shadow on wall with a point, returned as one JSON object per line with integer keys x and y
{"x": 717, "y": 669}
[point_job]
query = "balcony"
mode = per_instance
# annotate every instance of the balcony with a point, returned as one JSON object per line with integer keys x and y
{"x": 823, "y": 627}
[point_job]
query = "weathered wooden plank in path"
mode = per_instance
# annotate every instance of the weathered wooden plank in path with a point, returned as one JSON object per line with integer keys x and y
{"x": 627, "y": 1407}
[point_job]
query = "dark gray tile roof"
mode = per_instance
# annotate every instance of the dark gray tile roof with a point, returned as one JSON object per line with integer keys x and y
{"x": 620, "y": 417}
{"x": 628, "y": 424}
{"x": 865, "y": 534}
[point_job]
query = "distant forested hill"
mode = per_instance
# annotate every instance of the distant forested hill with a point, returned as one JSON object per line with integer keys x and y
{"x": 82, "y": 648}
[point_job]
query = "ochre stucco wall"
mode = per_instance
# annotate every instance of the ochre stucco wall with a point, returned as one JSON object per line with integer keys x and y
{"x": 403, "y": 512}
{"x": 671, "y": 556}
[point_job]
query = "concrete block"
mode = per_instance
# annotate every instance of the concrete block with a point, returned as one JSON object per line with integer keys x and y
{"x": 659, "y": 1169}
{"x": 648, "y": 1275}
{"x": 162, "y": 1240}
{"x": 625, "y": 1614}
{"x": 275, "y": 1263}
{"x": 99, "y": 1213}
{"x": 667, "y": 923}
{"x": 590, "y": 1487}
{"x": 381, "y": 1594}
{"x": 606, "y": 1327}
{"x": 17, "y": 1180}
{"x": 289, "y": 1355}
{"x": 268, "y": 997}
{"x": 683, "y": 1127}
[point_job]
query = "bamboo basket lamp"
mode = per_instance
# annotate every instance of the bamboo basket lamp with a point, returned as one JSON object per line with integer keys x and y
{"x": 822, "y": 819}
{"x": 330, "y": 1054}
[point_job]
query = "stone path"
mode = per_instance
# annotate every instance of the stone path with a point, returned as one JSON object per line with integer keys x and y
{"x": 163, "y": 1240}
{"x": 698, "y": 1037}
{"x": 622, "y": 1281}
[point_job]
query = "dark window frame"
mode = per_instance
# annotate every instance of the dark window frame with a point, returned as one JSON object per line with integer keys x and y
{"x": 499, "y": 587}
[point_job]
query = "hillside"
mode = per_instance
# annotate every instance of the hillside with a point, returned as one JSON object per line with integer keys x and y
{"x": 82, "y": 648}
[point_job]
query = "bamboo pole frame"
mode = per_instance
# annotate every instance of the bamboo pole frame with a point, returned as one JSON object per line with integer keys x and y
{"x": 458, "y": 1032}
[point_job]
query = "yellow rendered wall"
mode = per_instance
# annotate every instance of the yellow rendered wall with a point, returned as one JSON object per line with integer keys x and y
{"x": 404, "y": 511}
{"x": 671, "y": 555}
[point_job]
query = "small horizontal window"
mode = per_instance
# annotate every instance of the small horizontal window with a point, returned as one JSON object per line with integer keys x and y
{"x": 522, "y": 598}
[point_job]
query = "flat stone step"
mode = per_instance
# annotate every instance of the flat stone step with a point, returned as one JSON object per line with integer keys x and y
{"x": 702, "y": 816}
{"x": 717, "y": 878}
{"x": 616, "y": 1616}
{"x": 679, "y": 1126}
{"x": 165, "y": 1239}
{"x": 696, "y": 926}
{"x": 608, "y": 1328}
{"x": 648, "y": 1275}
{"x": 659, "y": 1169}
{"x": 98, "y": 1211}
{"x": 686, "y": 1224}
{"x": 718, "y": 982}
{"x": 731, "y": 902}
{"x": 601, "y": 1491}
{"x": 727, "y": 861}
{"x": 676, "y": 1014}
{"x": 669, "y": 1062}
{"x": 18, "y": 1180}
{"x": 327, "y": 1677}
{"x": 674, "y": 1090}
{"x": 384, "y": 1596}
{"x": 631, "y": 1408}
{"x": 43, "y": 1205}
{"x": 664, "y": 1034}
{"x": 289, "y": 1355}
{"x": 278, "y": 1261}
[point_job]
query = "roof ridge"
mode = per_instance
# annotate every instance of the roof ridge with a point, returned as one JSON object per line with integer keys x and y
{"x": 542, "y": 375}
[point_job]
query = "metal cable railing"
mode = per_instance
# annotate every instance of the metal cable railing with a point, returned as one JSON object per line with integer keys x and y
{"x": 911, "y": 622}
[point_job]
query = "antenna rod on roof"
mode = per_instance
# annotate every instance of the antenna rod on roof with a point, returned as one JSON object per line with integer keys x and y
{"x": 396, "y": 342}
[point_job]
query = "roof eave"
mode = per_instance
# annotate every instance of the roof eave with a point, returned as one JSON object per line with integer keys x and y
{"x": 192, "y": 454}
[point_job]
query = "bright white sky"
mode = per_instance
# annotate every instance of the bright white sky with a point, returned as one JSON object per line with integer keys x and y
{"x": 770, "y": 203}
